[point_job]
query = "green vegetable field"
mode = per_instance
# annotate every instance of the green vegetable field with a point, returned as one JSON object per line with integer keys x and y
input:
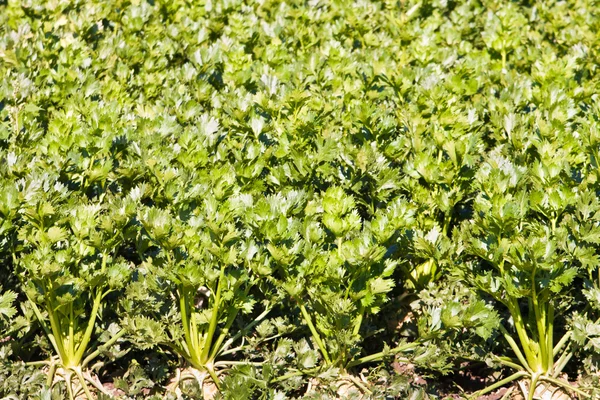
{"x": 299, "y": 199}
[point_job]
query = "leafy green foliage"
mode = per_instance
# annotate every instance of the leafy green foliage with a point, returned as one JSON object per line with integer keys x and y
{"x": 244, "y": 189}
{"x": 331, "y": 264}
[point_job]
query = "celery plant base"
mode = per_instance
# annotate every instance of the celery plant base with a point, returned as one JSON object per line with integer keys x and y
{"x": 544, "y": 391}
{"x": 207, "y": 385}
{"x": 76, "y": 381}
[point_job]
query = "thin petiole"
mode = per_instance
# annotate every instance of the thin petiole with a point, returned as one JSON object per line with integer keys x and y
{"x": 82, "y": 381}
{"x": 501, "y": 383}
{"x": 381, "y": 354}
{"x": 564, "y": 385}
{"x": 106, "y": 345}
{"x": 315, "y": 334}
{"x": 515, "y": 348}
{"x": 561, "y": 363}
{"x": 561, "y": 343}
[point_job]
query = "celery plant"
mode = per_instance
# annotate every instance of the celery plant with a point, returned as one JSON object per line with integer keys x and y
{"x": 332, "y": 265}
{"x": 206, "y": 261}
{"x": 68, "y": 262}
{"x": 527, "y": 259}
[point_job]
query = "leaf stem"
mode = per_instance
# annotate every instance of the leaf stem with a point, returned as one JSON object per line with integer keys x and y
{"x": 241, "y": 332}
{"x": 57, "y": 333}
{"x": 89, "y": 329}
{"x": 532, "y": 386}
{"x": 214, "y": 318}
{"x": 532, "y": 360}
{"x": 228, "y": 362}
{"x": 561, "y": 343}
{"x": 561, "y": 363}
{"x": 515, "y": 347}
{"x": 71, "y": 343}
{"x": 549, "y": 337}
{"x": 501, "y": 383}
{"x": 214, "y": 376}
{"x": 360, "y": 385}
{"x": 381, "y": 354}
{"x": 83, "y": 383}
{"x": 510, "y": 364}
{"x": 358, "y": 321}
{"x": 40, "y": 318}
{"x": 50, "y": 377}
{"x": 185, "y": 321}
{"x": 315, "y": 334}
{"x": 68, "y": 385}
{"x": 231, "y": 314}
{"x": 106, "y": 345}
{"x": 540, "y": 319}
{"x": 565, "y": 385}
